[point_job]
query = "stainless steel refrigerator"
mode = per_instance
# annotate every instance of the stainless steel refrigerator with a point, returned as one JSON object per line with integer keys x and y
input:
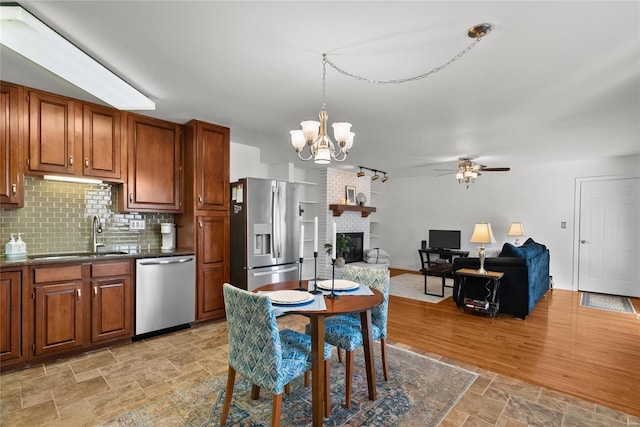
{"x": 265, "y": 232}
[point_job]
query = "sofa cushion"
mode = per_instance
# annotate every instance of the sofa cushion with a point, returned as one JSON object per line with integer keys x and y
{"x": 532, "y": 248}
{"x": 509, "y": 250}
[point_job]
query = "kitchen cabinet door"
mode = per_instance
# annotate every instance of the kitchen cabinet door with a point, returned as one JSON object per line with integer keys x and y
{"x": 111, "y": 309}
{"x": 212, "y": 164}
{"x": 12, "y": 180}
{"x": 101, "y": 142}
{"x": 154, "y": 172}
{"x": 111, "y": 300}
{"x": 51, "y": 133}
{"x": 59, "y": 320}
{"x": 213, "y": 265}
{"x": 10, "y": 312}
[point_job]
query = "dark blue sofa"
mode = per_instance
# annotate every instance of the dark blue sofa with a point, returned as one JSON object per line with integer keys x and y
{"x": 525, "y": 281}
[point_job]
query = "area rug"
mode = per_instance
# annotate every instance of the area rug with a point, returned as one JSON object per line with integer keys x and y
{"x": 606, "y": 302}
{"x": 412, "y": 286}
{"x": 420, "y": 391}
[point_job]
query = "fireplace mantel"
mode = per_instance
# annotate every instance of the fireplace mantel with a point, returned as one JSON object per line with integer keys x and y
{"x": 339, "y": 209}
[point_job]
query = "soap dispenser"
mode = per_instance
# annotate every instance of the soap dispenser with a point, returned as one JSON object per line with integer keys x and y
{"x": 21, "y": 246}
{"x": 10, "y": 247}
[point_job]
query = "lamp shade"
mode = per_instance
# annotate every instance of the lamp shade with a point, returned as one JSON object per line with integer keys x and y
{"x": 482, "y": 233}
{"x": 516, "y": 229}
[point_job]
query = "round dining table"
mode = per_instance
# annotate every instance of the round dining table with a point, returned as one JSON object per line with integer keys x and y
{"x": 344, "y": 304}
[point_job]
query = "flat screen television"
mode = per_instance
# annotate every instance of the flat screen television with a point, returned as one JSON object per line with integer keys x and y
{"x": 444, "y": 239}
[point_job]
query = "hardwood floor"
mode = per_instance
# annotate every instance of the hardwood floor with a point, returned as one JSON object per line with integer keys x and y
{"x": 584, "y": 352}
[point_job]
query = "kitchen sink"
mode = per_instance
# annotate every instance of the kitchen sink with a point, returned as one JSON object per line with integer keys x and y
{"x": 74, "y": 255}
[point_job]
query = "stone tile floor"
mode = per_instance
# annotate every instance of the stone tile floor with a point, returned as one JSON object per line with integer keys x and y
{"x": 95, "y": 387}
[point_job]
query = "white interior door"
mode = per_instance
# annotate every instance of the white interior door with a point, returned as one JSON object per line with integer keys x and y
{"x": 609, "y": 256}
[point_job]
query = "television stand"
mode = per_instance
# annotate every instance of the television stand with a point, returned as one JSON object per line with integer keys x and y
{"x": 443, "y": 269}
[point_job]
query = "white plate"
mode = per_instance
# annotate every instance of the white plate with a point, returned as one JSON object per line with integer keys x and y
{"x": 290, "y": 297}
{"x": 340, "y": 285}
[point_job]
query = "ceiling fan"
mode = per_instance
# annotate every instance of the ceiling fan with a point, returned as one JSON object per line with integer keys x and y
{"x": 468, "y": 170}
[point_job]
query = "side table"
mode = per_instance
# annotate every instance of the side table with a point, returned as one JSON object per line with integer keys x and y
{"x": 491, "y": 279}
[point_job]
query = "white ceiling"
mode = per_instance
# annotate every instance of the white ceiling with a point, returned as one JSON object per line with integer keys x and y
{"x": 553, "y": 82}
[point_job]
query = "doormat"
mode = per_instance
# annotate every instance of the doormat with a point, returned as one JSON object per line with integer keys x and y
{"x": 606, "y": 302}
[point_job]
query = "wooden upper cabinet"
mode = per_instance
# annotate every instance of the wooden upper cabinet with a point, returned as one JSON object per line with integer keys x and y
{"x": 154, "y": 170}
{"x": 101, "y": 142}
{"x": 51, "y": 139}
{"x": 12, "y": 177}
{"x": 212, "y": 166}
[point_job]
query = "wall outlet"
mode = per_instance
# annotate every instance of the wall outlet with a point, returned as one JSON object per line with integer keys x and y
{"x": 137, "y": 225}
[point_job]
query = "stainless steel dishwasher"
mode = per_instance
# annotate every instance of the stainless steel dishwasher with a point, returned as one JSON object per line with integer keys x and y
{"x": 165, "y": 293}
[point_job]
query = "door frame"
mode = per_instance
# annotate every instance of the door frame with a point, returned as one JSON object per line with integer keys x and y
{"x": 576, "y": 219}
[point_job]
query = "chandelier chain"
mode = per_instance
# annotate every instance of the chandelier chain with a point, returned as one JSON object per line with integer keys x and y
{"x": 394, "y": 81}
{"x": 324, "y": 79}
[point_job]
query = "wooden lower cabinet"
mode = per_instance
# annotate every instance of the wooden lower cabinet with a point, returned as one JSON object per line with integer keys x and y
{"x": 11, "y": 348}
{"x": 213, "y": 266}
{"x": 78, "y": 306}
{"x": 59, "y": 317}
{"x": 111, "y": 301}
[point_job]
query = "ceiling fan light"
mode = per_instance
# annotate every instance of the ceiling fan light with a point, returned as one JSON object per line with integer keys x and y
{"x": 459, "y": 176}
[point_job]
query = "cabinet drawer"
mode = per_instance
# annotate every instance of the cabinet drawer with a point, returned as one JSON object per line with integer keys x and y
{"x": 121, "y": 268}
{"x": 57, "y": 273}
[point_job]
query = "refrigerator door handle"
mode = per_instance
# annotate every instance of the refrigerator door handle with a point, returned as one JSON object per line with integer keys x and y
{"x": 268, "y": 273}
{"x": 274, "y": 225}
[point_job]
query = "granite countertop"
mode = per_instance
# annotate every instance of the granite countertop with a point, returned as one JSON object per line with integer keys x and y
{"x": 59, "y": 258}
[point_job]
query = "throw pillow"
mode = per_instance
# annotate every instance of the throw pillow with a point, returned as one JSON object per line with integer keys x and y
{"x": 509, "y": 250}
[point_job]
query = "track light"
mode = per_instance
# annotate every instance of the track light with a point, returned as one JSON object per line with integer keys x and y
{"x": 375, "y": 175}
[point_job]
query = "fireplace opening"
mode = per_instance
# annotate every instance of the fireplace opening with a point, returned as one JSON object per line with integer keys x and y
{"x": 355, "y": 253}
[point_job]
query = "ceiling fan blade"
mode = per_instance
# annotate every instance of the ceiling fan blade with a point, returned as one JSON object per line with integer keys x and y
{"x": 495, "y": 169}
{"x": 446, "y": 173}
{"x": 444, "y": 170}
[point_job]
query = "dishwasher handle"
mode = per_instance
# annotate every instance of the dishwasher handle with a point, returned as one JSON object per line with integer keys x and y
{"x": 169, "y": 261}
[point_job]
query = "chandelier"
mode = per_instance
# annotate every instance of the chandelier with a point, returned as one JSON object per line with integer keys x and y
{"x": 314, "y": 133}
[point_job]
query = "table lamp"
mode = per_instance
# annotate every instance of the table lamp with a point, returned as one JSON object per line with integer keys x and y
{"x": 516, "y": 229}
{"x": 482, "y": 234}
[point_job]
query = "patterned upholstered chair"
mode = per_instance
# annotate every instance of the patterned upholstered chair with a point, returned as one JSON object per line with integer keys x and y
{"x": 260, "y": 353}
{"x": 344, "y": 331}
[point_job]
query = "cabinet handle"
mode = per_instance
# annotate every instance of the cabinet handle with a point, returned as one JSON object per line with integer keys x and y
{"x": 130, "y": 197}
{"x": 86, "y": 163}
{"x": 95, "y": 292}
{"x": 200, "y": 199}
{"x": 79, "y": 291}
{"x": 200, "y": 223}
{"x": 14, "y": 189}
{"x": 70, "y": 160}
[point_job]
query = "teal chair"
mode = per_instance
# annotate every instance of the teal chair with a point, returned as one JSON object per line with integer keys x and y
{"x": 344, "y": 331}
{"x": 266, "y": 357}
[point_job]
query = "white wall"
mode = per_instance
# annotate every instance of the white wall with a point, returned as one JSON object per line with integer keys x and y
{"x": 245, "y": 162}
{"x": 540, "y": 197}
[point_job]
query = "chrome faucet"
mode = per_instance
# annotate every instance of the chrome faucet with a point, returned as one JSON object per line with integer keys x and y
{"x": 96, "y": 228}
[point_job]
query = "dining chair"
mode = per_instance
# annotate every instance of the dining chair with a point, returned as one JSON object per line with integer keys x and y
{"x": 262, "y": 354}
{"x": 344, "y": 331}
